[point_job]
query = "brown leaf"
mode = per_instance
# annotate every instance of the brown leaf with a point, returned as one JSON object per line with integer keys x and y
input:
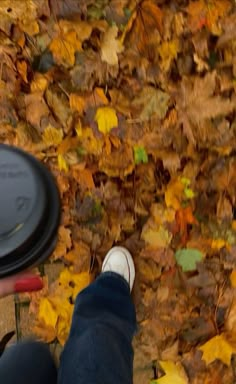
{"x": 198, "y": 95}
{"x": 119, "y": 163}
{"x": 36, "y": 109}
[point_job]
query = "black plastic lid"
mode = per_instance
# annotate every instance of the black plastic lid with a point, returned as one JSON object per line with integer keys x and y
{"x": 29, "y": 211}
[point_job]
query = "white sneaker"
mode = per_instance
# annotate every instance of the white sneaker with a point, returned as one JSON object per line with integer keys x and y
{"x": 120, "y": 261}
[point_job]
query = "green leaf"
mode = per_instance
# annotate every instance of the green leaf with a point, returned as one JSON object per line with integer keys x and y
{"x": 140, "y": 155}
{"x": 187, "y": 258}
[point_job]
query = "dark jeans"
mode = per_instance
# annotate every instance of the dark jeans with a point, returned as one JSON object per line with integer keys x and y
{"x": 99, "y": 347}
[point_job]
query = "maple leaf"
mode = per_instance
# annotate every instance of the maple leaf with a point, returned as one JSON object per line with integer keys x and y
{"x": 198, "y": 95}
{"x": 106, "y": 119}
{"x": 152, "y": 103}
{"x": 156, "y": 237}
{"x": 177, "y": 191}
{"x": 174, "y": 373}
{"x": 111, "y": 46}
{"x": 23, "y": 13}
{"x": 188, "y": 258}
{"x": 207, "y": 13}
{"x": 64, "y": 47}
{"x": 146, "y": 18}
{"x": 55, "y": 310}
{"x": 64, "y": 242}
{"x": 184, "y": 217}
{"x": 52, "y": 135}
{"x": 217, "y": 348}
{"x": 119, "y": 163}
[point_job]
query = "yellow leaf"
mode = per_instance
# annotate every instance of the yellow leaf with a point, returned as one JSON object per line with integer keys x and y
{"x": 159, "y": 237}
{"x": 79, "y": 280}
{"x": 219, "y": 243}
{"x": 52, "y": 135}
{"x": 174, "y": 374}
{"x": 63, "y": 48}
{"x": 90, "y": 143}
{"x": 47, "y": 312}
{"x": 217, "y": 348}
{"x": 233, "y": 278}
{"x": 174, "y": 194}
{"x": 111, "y": 46}
{"x": 106, "y": 119}
{"x": 77, "y": 102}
{"x": 62, "y": 164}
{"x": 39, "y": 84}
{"x": 168, "y": 51}
{"x": 55, "y": 311}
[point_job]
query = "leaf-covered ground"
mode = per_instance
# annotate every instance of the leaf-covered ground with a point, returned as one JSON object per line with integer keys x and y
{"x": 131, "y": 104}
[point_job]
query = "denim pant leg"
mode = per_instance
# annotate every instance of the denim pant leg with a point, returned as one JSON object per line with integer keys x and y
{"x": 27, "y": 363}
{"x": 99, "y": 348}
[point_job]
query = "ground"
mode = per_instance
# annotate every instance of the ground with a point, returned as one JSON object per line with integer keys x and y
{"x": 131, "y": 105}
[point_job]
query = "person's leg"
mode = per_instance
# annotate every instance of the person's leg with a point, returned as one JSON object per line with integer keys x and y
{"x": 27, "y": 363}
{"x": 99, "y": 348}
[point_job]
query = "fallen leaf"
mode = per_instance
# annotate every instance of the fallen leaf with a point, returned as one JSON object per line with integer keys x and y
{"x": 119, "y": 163}
{"x": 111, "y": 46}
{"x": 106, "y": 119}
{"x": 168, "y": 51}
{"x": 22, "y": 69}
{"x": 85, "y": 178}
{"x": 140, "y": 155}
{"x": 188, "y": 258}
{"x": 77, "y": 102}
{"x": 184, "y": 217}
{"x": 233, "y": 278}
{"x": 202, "y": 13}
{"x": 64, "y": 242}
{"x": 158, "y": 237}
{"x": 152, "y": 103}
{"x": 64, "y": 47}
{"x": 39, "y": 83}
{"x": 174, "y": 373}
{"x": 198, "y": 95}
{"x": 55, "y": 310}
{"x": 146, "y": 18}
{"x": 217, "y": 348}
{"x": 52, "y": 135}
{"x": 62, "y": 164}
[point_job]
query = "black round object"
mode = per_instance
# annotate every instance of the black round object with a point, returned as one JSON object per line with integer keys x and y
{"x": 29, "y": 211}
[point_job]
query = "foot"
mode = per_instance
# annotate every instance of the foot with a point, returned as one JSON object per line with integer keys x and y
{"x": 120, "y": 261}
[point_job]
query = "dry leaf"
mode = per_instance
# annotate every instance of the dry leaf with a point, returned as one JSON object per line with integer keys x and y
{"x": 202, "y": 13}
{"x": 52, "y": 135}
{"x": 111, "y": 46}
{"x": 174, "y": 373}
{"x": 217, "y": 348}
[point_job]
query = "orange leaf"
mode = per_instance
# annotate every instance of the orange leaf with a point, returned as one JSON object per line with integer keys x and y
{"x": 64, "y": 47}
{"x": 207, "y": 13}
{"x": 22, "y": 69}
{"x": 77, "y": 102}
{"x": 84, "y": 178}
{"x": 183, "y": 217}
